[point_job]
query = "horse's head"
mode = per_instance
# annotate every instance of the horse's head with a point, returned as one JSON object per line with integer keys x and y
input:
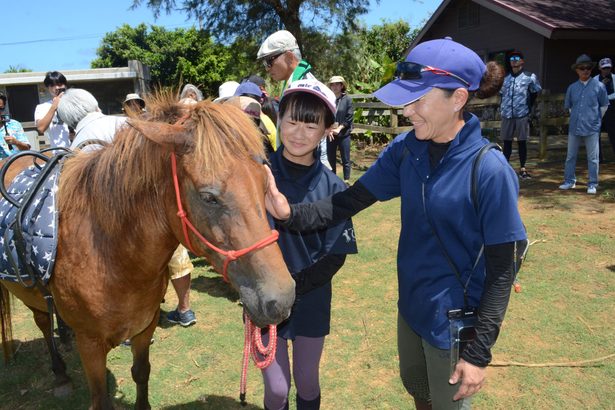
{"x": 222, "y": 189}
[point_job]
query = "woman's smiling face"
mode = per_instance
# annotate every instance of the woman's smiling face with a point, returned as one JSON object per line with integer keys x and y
{"x": 434, "y": 116}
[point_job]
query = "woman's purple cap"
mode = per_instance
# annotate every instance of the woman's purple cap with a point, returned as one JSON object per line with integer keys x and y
{"x": 444, "y": 54}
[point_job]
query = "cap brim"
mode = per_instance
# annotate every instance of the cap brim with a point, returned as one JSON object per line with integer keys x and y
{"x": 402, "y": 92}
{"x": 592, "y": 63}
{"x": 274, "y": 53}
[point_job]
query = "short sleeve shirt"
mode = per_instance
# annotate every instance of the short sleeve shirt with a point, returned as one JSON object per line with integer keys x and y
{"x": 14, "y": 129}
{"x": 57, "y": 133}
{"x": 584, "y": 102}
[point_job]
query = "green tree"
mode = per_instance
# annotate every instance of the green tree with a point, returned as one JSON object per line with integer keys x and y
{"x": 17, "y": 69}
{"x": 231, "y": 19}
{"x": 174, "y": 57}
{"x": 366, "y": 57}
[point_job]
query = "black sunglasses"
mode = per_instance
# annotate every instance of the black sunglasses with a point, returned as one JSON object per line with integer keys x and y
{"x": 414, "y": 71}
{"x": 268, "y": 62}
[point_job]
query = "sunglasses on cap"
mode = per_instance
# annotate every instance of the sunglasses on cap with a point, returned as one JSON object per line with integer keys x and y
{"x": 414, "y": 71}
{"x": 515, "y": 58}
{"x": 268, "y": 62}
{"x": 584, "y": 67}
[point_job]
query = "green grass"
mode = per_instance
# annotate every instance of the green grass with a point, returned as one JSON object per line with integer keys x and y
{"x": 564, "y": 313}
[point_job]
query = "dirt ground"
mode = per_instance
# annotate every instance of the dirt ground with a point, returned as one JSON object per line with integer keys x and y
{"x": 541, "y": 192}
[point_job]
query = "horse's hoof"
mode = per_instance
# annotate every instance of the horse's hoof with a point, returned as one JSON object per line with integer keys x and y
{"x": 63, "y": 390}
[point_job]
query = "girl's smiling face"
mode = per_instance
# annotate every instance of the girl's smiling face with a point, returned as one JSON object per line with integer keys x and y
{"x": 300, "y": 139}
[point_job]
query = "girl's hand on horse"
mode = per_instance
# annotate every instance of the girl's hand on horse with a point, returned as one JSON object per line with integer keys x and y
{"x": 276, "y": 203}
{"x": 472, "y": 379}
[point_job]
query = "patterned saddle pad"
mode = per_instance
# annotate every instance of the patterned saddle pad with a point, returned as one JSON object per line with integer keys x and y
{"x": 39, "y": 227}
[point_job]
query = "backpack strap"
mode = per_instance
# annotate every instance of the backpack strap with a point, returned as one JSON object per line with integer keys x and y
{"x": 475, "y": 164}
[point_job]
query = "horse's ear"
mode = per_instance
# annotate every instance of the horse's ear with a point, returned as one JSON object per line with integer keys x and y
{"x": 172, "y": 137}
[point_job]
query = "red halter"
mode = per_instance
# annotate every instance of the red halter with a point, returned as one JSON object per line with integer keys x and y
{"x": 252, "y": 337}
{"x": 186, "y": 224}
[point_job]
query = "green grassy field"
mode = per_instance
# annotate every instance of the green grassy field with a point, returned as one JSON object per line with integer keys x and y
{"x": 564, "y": 314}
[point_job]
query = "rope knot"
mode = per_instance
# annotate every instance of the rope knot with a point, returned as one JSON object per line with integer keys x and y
{"x": 232, "y": 255}
{"x": 181, "y": 213}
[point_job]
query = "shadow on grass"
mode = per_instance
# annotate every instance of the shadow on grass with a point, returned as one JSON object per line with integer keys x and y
{"x": 215, "y": 287}
{"x": 543, "y": 193}
{"x": 213, "y": 402}
{"x": 27, "y": 380}
{"x": 212, "y": 284}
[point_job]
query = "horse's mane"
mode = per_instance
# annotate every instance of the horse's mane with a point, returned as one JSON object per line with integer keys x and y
{"x": 128, "y": 178}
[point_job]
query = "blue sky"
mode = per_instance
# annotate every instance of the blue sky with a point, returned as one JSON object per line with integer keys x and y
{"x": 65, "y": 36}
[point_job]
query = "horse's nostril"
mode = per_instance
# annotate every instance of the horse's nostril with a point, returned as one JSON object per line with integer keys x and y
{"x": 272, "y": 309}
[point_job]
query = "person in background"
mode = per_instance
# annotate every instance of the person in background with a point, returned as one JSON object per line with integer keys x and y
{"x": 282, "y": 59}
{"x": 191, "y": 92}
{"x": 133, "y": 104}
{"x": 307, "y": 112}
{"x": 14, "y": 139}
{"x": 518, "y": 93}
{"x": 252, "y": 108}
{"x": 607, "y": 78}
{"x": 226, "y": 90}
{"x": 79, "y": 110}
{"x": 340, "y": 133}
{"x": 180, "y": 270}
{"x": 269, "y": 104}
{"x": 587, "y": 101}
{"x": 253, "y": 91}
{"x": 45, "y": 118}
{"x": 180, "y": 266}
{"x": 452, "y": 257}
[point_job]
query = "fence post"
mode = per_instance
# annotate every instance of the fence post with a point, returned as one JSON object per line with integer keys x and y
{"x": 394, "y": 122}
{"x": 543, "y": 124}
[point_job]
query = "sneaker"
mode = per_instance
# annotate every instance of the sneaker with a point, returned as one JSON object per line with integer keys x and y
{"x": 567, "y": 185}
{"x": 591, "y": 190}
{"x": 185, "y": 319}
{"x": 525, "y": 175}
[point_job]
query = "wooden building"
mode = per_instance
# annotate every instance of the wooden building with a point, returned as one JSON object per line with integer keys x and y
{"x": 551, "y": 34}
{"x": 25, "y": 91}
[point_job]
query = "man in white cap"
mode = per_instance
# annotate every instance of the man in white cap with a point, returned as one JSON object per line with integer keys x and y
{"x": 282, "y": 59}
{"x": 607, "y": 78}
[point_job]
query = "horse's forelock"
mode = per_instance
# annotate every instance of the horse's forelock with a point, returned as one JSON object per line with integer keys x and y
{"x": 116, "y": 180}
{"x": 222, "y": 134}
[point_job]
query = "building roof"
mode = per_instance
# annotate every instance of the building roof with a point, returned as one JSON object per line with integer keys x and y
{"x": 565, "y": 19}
{"x": 133, "y": 71}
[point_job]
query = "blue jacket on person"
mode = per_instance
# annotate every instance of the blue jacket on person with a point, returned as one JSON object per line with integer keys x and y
{"x": 428, "y": 287}
{"x": 311, "y": 313}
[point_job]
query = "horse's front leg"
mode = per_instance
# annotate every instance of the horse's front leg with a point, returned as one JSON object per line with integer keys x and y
{"x": 93, "y": 353}
{"x": 140, "y": 362}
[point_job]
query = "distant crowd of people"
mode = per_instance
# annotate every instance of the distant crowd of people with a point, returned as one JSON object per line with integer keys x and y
{"x": 459, "y": 241}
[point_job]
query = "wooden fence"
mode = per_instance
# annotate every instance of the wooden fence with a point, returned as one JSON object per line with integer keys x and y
{"x": 549, "y": 117}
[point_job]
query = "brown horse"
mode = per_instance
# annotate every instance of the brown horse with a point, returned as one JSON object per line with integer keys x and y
{"x": 119, "y": 226}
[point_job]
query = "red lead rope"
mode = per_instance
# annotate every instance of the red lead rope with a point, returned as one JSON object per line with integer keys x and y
{"x": 186, "y": 224}
{"x": 253, "y": 345}
{"x": 253, "y": 342}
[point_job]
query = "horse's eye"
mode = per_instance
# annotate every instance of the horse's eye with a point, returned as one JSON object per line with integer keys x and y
{"x": 209, "y": 198}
